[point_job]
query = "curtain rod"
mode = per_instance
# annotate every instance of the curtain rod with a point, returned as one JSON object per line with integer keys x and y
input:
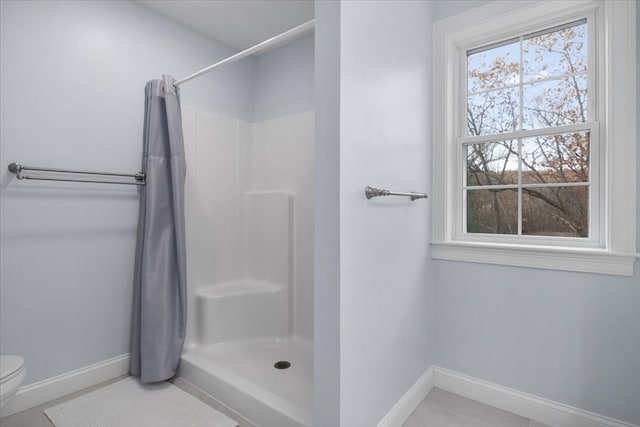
{"x": 250, "y": 51}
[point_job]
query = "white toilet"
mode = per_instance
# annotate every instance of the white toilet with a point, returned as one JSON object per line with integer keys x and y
{"x": 12, "y": 373}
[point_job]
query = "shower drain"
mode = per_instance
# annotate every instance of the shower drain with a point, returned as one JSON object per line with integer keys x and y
{"x": 283, "y": 364}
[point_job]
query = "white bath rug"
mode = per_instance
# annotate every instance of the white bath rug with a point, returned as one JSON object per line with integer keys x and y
{"x": 129, "y": 403}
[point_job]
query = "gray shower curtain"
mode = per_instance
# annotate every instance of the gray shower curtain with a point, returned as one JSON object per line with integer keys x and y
{"x": 160, "y": 306}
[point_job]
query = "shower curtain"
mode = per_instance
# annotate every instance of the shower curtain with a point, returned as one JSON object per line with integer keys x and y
{"x": 160, "y": 306}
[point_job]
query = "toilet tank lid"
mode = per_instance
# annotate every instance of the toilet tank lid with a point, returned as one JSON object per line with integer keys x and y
{"x": 9, "y": 365}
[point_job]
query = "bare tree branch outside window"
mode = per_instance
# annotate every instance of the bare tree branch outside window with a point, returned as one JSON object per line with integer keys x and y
{"x": 538, "y": 185}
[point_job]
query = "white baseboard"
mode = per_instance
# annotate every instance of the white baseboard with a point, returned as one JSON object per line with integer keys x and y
{"x": 408, "y": 403}
{"x": 52, "y": 388}
{"x": 537, "y": 408}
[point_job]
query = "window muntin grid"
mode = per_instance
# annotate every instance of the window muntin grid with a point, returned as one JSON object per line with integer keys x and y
{"x": 527, "y": 120}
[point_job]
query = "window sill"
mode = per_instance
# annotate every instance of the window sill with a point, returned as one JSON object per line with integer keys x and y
{"x": 551, "y": 258}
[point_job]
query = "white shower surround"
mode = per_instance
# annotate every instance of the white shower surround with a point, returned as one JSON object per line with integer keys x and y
{"x": 249, "y": 198}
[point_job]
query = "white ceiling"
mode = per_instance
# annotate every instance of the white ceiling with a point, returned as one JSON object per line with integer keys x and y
{"x": 238, "y": 23}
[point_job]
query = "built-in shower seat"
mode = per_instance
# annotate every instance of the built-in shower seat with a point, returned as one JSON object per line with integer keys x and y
{"x": 241, "y": 309}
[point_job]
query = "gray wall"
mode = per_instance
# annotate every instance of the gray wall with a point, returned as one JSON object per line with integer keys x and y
{"x": 72, "y": 81}
{"x": 385, "y": 128}
{"x": 569, "y": 337}
{"x": 326, "y": 357}
{"x": 375, "y": 99}
{"x": 284, "y": 80}
{"x": 443, "y": 8}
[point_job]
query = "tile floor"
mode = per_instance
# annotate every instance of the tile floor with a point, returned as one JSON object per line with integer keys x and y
{"x": 439, "y": 409}
{"x": 443, "y": 409}
{"x": 35, "y": 417}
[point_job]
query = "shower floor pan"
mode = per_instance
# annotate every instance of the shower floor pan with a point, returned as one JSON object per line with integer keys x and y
{"x": 242, "y": 375}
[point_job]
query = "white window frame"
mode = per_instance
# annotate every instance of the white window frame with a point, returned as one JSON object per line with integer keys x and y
{"x": 611, "y": 245}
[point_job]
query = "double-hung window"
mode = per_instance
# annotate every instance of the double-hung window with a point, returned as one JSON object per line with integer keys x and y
{"x": 532, "y": 135}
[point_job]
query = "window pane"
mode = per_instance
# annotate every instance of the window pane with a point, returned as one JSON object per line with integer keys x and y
{"x": 555, "y": 53}
{"x": 494, "y": 163}
{"x": 556, "y": 158}
{"x": 555, "y": 103}
{"x": 537, "y": 81}
{"x": 493, "y": 68}
{"x": 556, "y": 211}
{"x": 493, "y": 112}
{"x": 492, "y": 211}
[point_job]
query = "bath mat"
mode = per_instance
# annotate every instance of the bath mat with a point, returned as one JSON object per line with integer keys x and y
{"x": 129, "y": 403}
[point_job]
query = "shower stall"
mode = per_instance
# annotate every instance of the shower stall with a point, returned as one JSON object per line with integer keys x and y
{"x": 249, "y": 232}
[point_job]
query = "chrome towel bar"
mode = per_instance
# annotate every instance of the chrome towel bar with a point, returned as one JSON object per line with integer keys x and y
{"x": 17, "y": 168}
{"x": 371, "y": 192}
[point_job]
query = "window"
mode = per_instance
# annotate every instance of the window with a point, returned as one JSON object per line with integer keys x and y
{"x": 528, "y": 156}
{"x": 527, "y": 138}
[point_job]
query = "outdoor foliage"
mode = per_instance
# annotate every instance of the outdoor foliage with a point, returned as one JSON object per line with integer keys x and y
{"x": 534, "y": 82}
